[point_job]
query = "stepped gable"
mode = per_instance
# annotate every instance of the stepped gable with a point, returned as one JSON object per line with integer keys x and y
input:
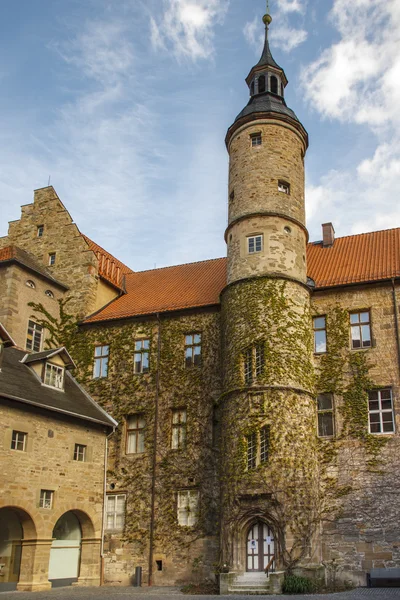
{"x": 110, "y": 268}
{"x": 14, "y": 254}
{"x": 367, "y": 257}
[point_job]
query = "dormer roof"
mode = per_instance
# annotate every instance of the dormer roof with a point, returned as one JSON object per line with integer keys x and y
{"x": 5, "y": 337}
{"x": 46, "y": 354}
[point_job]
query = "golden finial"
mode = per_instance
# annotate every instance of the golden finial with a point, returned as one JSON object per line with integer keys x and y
{"x": 267, "y": 19}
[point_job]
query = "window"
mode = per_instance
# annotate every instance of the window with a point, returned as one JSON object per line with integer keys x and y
{"x": 141, "y": 359}
{"x": 115, "y": 509}
{"x": 252, "y": 88}
{"x": 178, "y": 440}
{"x": 49, "y": 294}
{"x": 18, "y": 440}
{"x": 40, "y": 230}
{"x": 360, "y": 326}
{"x": 261, "y": 84}
{"x": 253, "y": 363}
{"x": 34, "y": 337}
{"x": 188, "y": 501}
{"x": 30, "y": 283}
{"x": 52, "y": 259}
{"x": 232, "y": 195}
{"x": 46, "y": 499}
{"x": 257, "y": 444}
{"x": 54, "y": 376}
{"x": 80, "y": 452}
{"x": 284, "y": 187}
{"x": 254, "y": 244}
{"x": 193, "y": 350}
{"x": 100, "y": 367}
{"x": 135, "y": 434}
{"x": 256, "y": 139}
{"x": 319, "y": 325}
{"x": 380, "y": 408}
{"x": 274, "y": 84}
{"x": 326, "y": 421}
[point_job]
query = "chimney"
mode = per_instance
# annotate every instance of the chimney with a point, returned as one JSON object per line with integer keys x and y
{"x": 328, "y": 235}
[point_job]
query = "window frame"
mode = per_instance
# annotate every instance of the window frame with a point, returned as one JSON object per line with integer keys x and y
{"x": 253, "y": 362}
{"x": 115, "y": 513}
{"x": 191, "y": 522}
{"x": 101, "y": 359}
{"x": 284, "y": 187}
{"x": 37, "y": 331}
{"x": 179, "y": 443}
{"x": 360, "y": 324}
{"x": 258, "y": 447}
{"x": 190, "y": 361}
{"x": 60, "y": 372}
{"x": 46, "y": 499}
{"x": 325, "y": 411}
{"x": 15, "y": 442}
{"x": 39, "y": 231}
{"x": 141, "y": 351}
{"x": 80, "y": 453}
{"x": 139, "y": 432}
{"x": 52, "y": 259}
{"x": 317, "y": 329}
{"x": 252, "y": 241}
{"x": 256, "y": 139}
{"x": 380, "y": 411}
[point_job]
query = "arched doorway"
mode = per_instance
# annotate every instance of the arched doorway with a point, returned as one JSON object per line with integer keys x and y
{"x": 260, "y": 547}
{"x": 11, "y": 535}
{"x": 65, "y": 550}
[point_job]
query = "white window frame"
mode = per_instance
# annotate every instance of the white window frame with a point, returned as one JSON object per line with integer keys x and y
{"x": 254, "y": 241}
{"x": 256, "y": 139}
{"x": 46, "y": 499}
{"x": 54, "y": 376}
{"x": 114, "y": 512}
{"x": 359, "y": 325}
{"x": 192, "y": 350}
{"x": 187, "y": 507}
{"x": 317, "y": 329}
{"x": 142, "y": 349}
{"x": 179, "y": 423}
{"x": 101, "y": 359}
{"x": 80, "y": 452}
{"x": 284, "y": 187}
{"x": 381, "y": 411}
{"x": 35, "y": 331}
{"x": 18, "y": 438}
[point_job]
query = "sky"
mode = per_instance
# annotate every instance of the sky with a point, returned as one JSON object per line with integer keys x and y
{"x": 124, "y": 105}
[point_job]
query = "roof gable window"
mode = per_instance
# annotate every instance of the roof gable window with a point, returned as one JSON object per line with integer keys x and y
{"x": 54, "y": 376}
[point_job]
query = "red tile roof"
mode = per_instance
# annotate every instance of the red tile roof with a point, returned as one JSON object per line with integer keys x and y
{"x": 110, "y": 268}
{"x": 16, "y": 254}
{"x": 353, "y": 259}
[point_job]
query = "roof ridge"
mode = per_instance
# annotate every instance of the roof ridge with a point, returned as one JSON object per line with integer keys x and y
{"x": 196, "y": 262}
{"x": 90, "y": 241}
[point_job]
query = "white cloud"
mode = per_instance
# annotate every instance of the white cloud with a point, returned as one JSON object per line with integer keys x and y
{"x": 187, "y": 27}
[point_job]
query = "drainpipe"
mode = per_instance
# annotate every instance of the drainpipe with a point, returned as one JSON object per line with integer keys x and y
{"x": 396, "y": 320}
{"x": 103, "y": 523}
{"x": 154, "y": 465}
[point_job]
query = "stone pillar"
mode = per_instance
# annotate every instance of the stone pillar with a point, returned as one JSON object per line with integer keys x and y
{"x": 90, "y": 569}
{"x": 35, "y": 565}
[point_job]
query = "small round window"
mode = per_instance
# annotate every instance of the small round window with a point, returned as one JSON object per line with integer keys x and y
{"x": 287, "y": 230}
{"x": 31, "y": 284}
{"x": 49, "y": 294}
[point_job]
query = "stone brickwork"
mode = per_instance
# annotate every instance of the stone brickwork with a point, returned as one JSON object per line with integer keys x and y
{"x": 47, "y": 463}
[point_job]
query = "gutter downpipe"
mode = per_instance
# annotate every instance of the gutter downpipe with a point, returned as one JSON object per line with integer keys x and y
{"x": 396, "y": 320}
{"x": 154, "y": 465}
{"x": 103, "y": 523}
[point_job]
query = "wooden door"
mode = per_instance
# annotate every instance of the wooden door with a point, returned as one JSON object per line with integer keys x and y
{"x": 260, "y": 547}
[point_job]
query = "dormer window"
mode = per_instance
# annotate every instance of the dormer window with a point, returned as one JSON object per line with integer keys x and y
{"x": 54, "y": 376}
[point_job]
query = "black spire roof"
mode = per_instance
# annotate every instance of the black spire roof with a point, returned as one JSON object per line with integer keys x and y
{"x": 267, "y": 60}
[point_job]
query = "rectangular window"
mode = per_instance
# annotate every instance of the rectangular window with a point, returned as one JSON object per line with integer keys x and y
{"x": 141, "y": 358}
{"x": 115, "y": 509}
{"x": 100, "y": 367}
{"x": 52, "y": 259}
{"x": 192, "y": 350}
{"x": 188, "y": 502}
{"x": 248, "y": 366}
{"x": 259, "y": 359}
{"x": 360, "y": 326}
{"x": 251, "y": 441}
{"x": 178, "y": 440}
{"x": 54, "y": 376}
{"x": 46, "y": 499}
{"x": 18, "y": 440}
{"x": 326, "y": 420}
{"x": 135, "y": 434}
{"x": 80, "y": 453}
{"x": 380, "y": 408}
{"x": 284, "y": 187}
{"x": 256, "y": 139}
{"x": 254, "y": 244}
{"x": 253, "y": 363}
{"x": 34, "y": 337}
{"x": 264, "y": 444}
{"x": 319, "y": 325}
{"x": 40, "y": 230}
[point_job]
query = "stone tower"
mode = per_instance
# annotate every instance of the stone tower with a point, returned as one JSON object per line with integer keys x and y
{"x": 267, "y": 408}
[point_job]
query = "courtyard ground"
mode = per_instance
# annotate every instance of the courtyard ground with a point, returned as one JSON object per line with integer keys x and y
{"x": 122, "y": 593}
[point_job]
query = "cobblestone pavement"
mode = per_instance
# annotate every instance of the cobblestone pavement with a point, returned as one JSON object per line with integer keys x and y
{"x": 120, "y": 593}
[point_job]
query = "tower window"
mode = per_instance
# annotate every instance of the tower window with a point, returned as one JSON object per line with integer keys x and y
{"x": 256, "y": 139}
{"x": 252, "y": 88}
{"x": 274, "y": 85}
{"x": 254, "y": 244}
{"x": 232, "y": 195}
{"x": 30, "y": 283}
{"x": 253, "y": 363}
{"x": 40, "y": 230}
{"x": 284, "y": 187}
{"x": 52, "y": 258}
{"x": 49, "y": 294}
{"x": 261, "y": 84}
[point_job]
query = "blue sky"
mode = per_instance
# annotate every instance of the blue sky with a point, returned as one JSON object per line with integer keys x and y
{"x": 125, "y": 104}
